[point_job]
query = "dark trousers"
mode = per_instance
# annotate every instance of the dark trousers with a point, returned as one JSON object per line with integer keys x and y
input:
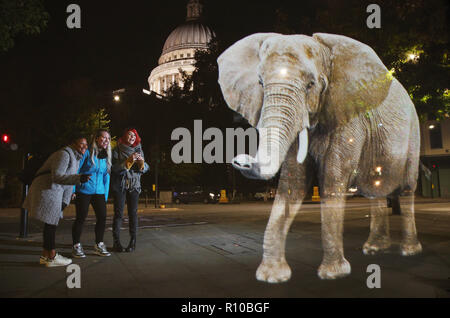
{"x": 82, "y": 202}
{"x": 132, "y": 199}
{"x": 49, "y": 236}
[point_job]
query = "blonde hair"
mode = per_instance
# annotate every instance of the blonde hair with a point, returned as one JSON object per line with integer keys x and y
{"x": 95, "y": 151}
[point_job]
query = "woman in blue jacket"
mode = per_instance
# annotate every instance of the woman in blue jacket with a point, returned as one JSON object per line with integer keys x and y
{"x": 96, "y": 162}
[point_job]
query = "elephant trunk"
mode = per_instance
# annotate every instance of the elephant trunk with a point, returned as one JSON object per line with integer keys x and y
{"x": 283, "y": 116}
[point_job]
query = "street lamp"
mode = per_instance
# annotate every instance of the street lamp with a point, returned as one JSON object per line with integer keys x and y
{"x": 117, "y": 93}
{"x": 413, "y": 57}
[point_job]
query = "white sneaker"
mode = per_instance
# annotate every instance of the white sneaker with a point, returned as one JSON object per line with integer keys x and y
{"x": 58, "y": 260}
{"x": 100, "y": 249}
{"x": 77, "y": 251}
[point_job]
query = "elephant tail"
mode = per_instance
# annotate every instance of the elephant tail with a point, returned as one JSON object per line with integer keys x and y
{"x": 425, "y": 170}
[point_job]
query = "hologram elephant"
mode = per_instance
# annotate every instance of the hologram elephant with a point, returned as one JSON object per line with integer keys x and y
{"x": 326, "y": 99}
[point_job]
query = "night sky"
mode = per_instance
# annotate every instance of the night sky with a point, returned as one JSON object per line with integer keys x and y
{"x": 119, "y": 42}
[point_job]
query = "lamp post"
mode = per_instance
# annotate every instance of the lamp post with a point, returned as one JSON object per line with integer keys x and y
{"x": 156, "y": 183}
{"x": 23, "y": 211}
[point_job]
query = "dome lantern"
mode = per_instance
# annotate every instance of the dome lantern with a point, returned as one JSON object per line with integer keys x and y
{"x": 194, "y": 10}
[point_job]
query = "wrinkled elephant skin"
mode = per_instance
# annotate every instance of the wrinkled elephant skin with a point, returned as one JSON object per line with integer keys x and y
{"x": 326, "y": 100}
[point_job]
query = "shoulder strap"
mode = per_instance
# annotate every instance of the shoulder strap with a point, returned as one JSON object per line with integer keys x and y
{"x": 46, "y": 171}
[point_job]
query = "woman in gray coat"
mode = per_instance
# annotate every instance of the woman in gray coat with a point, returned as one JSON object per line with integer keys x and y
{"x": 128, "y": 164}
{"x": 51, "y": 192}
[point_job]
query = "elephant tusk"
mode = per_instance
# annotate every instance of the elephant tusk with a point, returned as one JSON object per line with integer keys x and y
{"x": 302, "y": 145}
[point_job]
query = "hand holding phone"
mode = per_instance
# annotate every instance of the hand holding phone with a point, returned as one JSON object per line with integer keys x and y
{"x": 85, "y": 178}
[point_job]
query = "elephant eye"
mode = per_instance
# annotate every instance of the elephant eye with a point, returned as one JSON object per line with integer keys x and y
{"x": 310, "y": 85}
{"x": 260, "y": 81}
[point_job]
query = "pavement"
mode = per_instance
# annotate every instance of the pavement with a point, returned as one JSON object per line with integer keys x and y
{"x": 213, "y": 251}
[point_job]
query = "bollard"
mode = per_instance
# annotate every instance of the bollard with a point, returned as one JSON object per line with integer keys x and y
{"x": 316, "y": 196}
{"x": 223, "y": 196}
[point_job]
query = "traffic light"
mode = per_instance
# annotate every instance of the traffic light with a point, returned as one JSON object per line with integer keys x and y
{"x": 6, "y": 138}
{"x": 6, "y": 142}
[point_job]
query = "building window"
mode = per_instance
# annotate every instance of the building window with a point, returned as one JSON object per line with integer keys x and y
{"x": 435, "y": 135}
{"x": 174, "y": 56}
{"x": 181, "y": 55}
{"x": 189, "y": 55}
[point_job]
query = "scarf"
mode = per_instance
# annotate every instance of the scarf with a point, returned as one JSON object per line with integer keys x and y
{"x": 132, "y": 179}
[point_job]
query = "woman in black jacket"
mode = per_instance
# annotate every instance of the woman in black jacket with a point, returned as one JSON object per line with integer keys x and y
{"x": 128, "y": 164}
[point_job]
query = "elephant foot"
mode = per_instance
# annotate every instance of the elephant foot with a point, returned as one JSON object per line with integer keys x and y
{"x": 410, "y": 249}
{"x": 372, "y": 247}
{"x": 334, "y": 270}
{"x": 273, "y": 271}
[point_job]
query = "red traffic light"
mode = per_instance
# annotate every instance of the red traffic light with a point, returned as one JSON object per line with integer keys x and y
{"x": 5, "y": 138}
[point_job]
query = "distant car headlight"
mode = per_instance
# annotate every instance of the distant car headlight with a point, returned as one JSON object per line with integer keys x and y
{"x": 353, "y": 190}
{"x": 211, "y": 195}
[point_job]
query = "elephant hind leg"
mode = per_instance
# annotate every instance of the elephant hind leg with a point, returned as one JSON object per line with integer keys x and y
{"x": 410, "y": 244}
{"x": 379, "y": 237}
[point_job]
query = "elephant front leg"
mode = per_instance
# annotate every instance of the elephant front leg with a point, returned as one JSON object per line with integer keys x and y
{"x": 334, "y": 265}
{"x": 291, "y": 191}
{"x": 379, "y": 238}
{"x": 274, "y": 268}
{"x": 410, "y": 244}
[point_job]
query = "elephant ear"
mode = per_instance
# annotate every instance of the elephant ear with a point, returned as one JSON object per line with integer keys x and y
{"x": 238, "y": 76}
{"x": 358, "y": 80}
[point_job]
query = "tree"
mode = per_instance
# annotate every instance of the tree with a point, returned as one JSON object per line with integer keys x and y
{"x": 20, "y": 17}
{"x": 412, "y": 41}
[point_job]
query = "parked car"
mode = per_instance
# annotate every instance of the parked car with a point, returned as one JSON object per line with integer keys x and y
{"x": 265, "y": 194}
{"x": 196, "y": 194}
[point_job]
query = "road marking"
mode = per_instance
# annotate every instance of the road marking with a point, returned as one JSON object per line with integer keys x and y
{"x": 446, "y": 209}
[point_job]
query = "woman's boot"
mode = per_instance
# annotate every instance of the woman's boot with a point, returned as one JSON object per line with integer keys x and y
{"x": 117, "y": 247}
{"x": 132, "y": 245}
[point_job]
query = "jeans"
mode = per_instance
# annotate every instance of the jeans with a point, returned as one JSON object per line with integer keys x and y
{"x": 49, "y": 236}
{"x": 82, "y": 202}
{"x": 132, "y": 199}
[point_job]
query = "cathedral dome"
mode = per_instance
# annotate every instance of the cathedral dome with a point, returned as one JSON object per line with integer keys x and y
{"x": 191, "y": 34}
{"x": 179, "y": 50}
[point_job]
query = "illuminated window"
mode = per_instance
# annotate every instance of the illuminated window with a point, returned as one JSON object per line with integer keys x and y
{"x": 435, "y": 136}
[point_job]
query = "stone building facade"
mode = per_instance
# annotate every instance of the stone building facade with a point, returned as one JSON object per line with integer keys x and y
{"x": 179, "y": 50}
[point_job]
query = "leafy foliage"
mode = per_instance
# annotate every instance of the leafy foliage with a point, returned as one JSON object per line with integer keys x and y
{"x": 20, "y": 17}
{"x": 408, "y": 27}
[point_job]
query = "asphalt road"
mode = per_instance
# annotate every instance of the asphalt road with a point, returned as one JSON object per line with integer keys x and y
{"x": 205, "y": 251}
